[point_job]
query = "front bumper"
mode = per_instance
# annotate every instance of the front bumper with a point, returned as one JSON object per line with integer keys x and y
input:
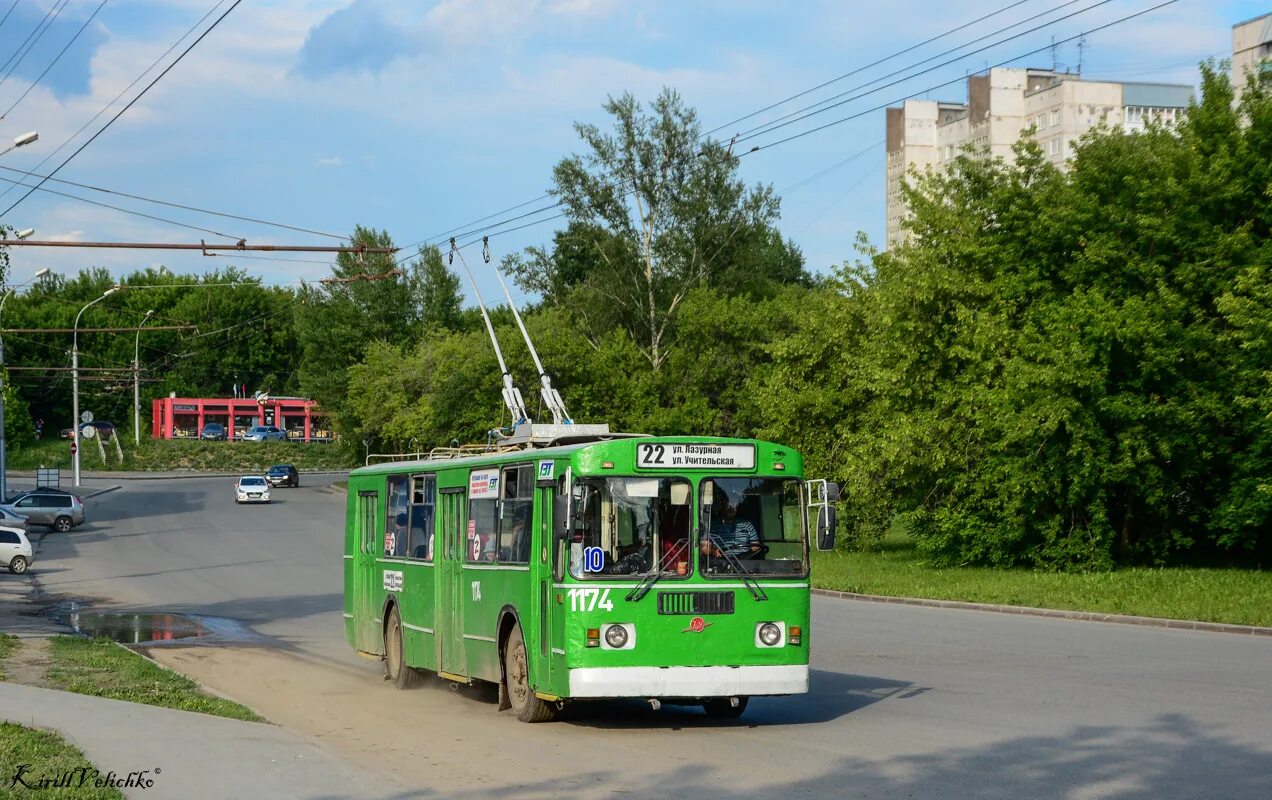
{"x": 243, "y": 497}
{"x": 688, "y": 682}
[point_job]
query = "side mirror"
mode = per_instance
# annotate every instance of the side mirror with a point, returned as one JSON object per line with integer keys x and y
{"x": 827, "y": 522}
{"x": 832, "y": 492}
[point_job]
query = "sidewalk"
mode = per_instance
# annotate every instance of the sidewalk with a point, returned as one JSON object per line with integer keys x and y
{"x": 188, "y": 755}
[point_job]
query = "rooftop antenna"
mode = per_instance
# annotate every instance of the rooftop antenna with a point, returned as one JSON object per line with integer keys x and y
{"x": 1081, "y": 47}
{"x": 1055, "y": 67}
{"x": 551, "y": 397}
{"x": 511, "y": 394}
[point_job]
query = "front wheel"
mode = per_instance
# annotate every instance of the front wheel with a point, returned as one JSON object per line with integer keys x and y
{"x": 62, "y": 524}
{"x": 18, "y": 565}
{"x": 395, "y": 668}
{"x": 517, "y": 677}
{"x": 722, "y": 708}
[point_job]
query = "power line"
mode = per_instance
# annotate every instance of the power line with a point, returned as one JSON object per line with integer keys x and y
{"x": 125, "y": 90}
{"x": 130, "y": 104}
{"x": 8, "y": 60}
{"x": 7, "y": 13}
{"x": 57, "y": 12}
{"x": 56, "y": 59}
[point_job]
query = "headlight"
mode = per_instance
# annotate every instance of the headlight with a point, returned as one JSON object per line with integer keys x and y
{"x": 616, "y": 637}
{"x": 770, "y": 635}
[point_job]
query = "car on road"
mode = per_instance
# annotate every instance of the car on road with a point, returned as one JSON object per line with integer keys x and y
{"x": 15, "y": 550}
{"x": 104, "y": 429}
{"x": 264, "y": 433}
{"x": 58, "y": 510}
{"x": 251, "y": 489}
{"x": 12, "y": 519}
{"x": 213, "y": 431}
{"x": 283, "y": 475}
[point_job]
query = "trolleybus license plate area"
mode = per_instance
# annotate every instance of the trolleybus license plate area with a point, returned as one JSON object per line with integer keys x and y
{"x": 695, "y": 603}
{"x": 695, "y": 456}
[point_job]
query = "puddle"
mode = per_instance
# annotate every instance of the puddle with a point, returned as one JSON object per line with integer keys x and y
{"x": 153, "y": 629}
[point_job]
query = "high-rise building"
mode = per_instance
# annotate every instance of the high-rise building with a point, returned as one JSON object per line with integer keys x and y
{"x": 1251, "y": 45}
{"x": 1056, "y": 108}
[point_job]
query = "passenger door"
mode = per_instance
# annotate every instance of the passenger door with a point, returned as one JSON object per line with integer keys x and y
{"x": 449, "y": 621}
{"x": 366, "y": 591}
{"x": 544, "y": 662}
{"x": 32, "y": 508}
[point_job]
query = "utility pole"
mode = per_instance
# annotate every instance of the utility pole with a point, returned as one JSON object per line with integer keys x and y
{"x": 137, "y": 381}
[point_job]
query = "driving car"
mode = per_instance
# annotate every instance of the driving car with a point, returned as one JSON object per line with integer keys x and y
{"x": 264, "y": 433}
{"x": 283, "y": 475}
{"x": 15, "y": 550}
{"x": 251, "y": 489}
{"x": 56, "y": 509}
{"x": 103, "y": 429}
{"x": 213, "y": 431}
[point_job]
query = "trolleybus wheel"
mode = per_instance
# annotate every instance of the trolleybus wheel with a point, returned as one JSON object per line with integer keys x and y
{"x": 517, "y": 675}
{"x": 403, "y": 677}
{"x": 722, "y": 708}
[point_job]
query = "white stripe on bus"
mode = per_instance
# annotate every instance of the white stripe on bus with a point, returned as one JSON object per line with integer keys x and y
{"x": 558, "y": 651}
{"x": 679, "y": 586}
{"x": 525, "y": 568}
{"x": 416, "y": 628}
{"x": 480, "y": 638}
{"x": 349, "y": 557}
{"x": 348, "y": 615}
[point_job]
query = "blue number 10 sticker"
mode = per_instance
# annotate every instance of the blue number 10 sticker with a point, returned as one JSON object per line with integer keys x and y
{"x": 593, "y": 559}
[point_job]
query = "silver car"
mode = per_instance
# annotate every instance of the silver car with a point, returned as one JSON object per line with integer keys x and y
{"x": 9, "y": 519}
{"x": 58, "y": 510}
{"x": 251, "y": 489}
{"x": 265, "y": 433}
{"x": 15, "y": 550}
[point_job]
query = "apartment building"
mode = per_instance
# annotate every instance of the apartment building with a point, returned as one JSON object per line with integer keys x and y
{"x": 1056, "y": 108}
{"x": 1251, "y": 45}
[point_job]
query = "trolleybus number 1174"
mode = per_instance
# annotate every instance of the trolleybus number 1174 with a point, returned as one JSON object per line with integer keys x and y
{"x": 590, "y": 599}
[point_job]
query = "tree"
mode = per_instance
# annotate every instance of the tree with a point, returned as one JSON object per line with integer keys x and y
{"x": 441, "y": 301}
{"x": 654, "y": 211}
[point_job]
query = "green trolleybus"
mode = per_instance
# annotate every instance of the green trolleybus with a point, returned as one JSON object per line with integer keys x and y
{"x": 667, "y": 569}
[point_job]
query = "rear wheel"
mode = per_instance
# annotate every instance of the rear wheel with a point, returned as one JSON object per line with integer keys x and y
{"x": 517, "y": 677}
{"x": 18, "y": 565}
{"x": 62, "y": 524}
{"x": 722, "y": 708}
{"x": 395, "y": 667}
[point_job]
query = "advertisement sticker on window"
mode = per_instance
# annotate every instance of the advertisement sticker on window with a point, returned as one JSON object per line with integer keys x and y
{"x": 483, "y": 484}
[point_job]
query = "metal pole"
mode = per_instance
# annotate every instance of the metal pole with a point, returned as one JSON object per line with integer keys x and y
{"x": 4, "y": 463}
{"x": 137, "y": 382}
{"x": 75, "y": 412}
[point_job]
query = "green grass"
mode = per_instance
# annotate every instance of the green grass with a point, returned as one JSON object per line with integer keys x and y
{"x": 49, "y": 756}
{"x": 102, "y": 668}
{"x": 162, "y": 455}
{"x": 1236, "y": 596}
{"x": 8, "y": 643}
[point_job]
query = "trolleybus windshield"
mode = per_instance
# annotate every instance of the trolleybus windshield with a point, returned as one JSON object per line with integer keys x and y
{"x": 630, "y": 526}
{"x": 752, "y": 525}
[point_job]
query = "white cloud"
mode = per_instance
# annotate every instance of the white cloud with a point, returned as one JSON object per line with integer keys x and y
{"x": 330, "y": 161}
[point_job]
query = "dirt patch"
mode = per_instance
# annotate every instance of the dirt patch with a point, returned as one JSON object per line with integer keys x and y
{"x": 29, "y": 664}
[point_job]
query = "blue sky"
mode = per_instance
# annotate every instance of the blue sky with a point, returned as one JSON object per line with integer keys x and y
{"x": 419, "y": 117}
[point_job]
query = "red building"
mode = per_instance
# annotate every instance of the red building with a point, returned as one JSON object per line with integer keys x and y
{"x": 184, "y": 417}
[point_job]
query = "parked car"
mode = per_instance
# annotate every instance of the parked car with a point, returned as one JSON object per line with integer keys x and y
{"x": 251, "y": 489}
{"x": 15, "y": 550}
{"x": 57, "y": 509}
{"x": 283, "y": 475}
{"x": 12, "y": 519}
{"x": 264, "y": 433}
{"x": 214, "y": 431}
{"x": 104, "y": 429}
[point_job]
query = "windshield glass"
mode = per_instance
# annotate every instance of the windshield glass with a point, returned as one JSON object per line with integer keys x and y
{"x": 630, "y": 526}
{"x": 252, "y": 482}
{"x": 753, "y": 525}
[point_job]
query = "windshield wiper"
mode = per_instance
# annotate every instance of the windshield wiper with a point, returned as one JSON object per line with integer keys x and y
{"x": 745, "y": 574}
{"x": 648, "y": 580}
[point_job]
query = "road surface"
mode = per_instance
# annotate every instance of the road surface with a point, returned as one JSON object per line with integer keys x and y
{"x": 904, "y": 702}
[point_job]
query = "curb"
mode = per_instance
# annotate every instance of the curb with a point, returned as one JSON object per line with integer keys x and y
{"x": 1054, "y": 613}
{"x": 101, "y": 492}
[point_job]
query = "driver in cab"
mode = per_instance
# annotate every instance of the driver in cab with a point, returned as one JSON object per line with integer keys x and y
{"x": 730, "y": 535}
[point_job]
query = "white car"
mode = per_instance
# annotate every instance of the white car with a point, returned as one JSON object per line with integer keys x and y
{"x": 15, "y": 550}
{"x": 251, "y": 489}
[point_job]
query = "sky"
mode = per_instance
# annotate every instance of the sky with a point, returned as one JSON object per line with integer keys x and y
{"x": 420, "y": 117}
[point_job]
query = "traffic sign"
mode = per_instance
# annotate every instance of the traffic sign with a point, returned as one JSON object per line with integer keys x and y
{"x": 87, "y": 416}
{"x": 89, "y": 431}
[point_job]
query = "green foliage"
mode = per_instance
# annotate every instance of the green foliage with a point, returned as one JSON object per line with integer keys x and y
{"x": 49, "y": 756}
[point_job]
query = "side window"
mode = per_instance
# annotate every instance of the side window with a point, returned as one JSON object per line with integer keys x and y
{"x": 483, "y": 516}
{"x": 26, "y": 502}
{"x": 7, "y": 537}
{"x": 61, "y": 502}
{"x": 423, "y": 508}
{"x": 395, "y": 517}
{"x": 516, "y": 509}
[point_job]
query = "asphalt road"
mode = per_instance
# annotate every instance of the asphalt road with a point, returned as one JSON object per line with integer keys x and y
{"x": 905, "y": 701}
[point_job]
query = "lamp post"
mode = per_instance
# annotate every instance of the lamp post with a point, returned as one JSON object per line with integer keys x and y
{"x": 75, "y": 412}
{"x": 20, "y": 141}
{"x": 137, "y": 381}
{"x": 4, "y": 463}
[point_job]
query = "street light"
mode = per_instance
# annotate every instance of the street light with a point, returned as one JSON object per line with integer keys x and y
{"x": 19, "y": 141}
{"x": 137, "y": 381}
{"x": 24, "y": 233}
{"x": 4, "y": 463}
{"x": 75, "y": 412}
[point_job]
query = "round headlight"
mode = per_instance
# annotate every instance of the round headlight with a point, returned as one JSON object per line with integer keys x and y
{"x": 770, "y": 634}
{"x": 616, "y": 637}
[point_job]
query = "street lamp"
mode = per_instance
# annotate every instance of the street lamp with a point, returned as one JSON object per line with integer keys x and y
{"x": 24, "y": 233}
{"x": 4, "y": 463}
{"x": 137, "y": 381}
{"x": 19, "y": 141}
{"x": 75, "y": 412}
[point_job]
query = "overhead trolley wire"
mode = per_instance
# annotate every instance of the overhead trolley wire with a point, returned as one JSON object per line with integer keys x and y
{"x": 19, "y": 54}
{"x": 7, "y": 13}
{"x": 129, "y": 105}
{"x": 56, "y": 59}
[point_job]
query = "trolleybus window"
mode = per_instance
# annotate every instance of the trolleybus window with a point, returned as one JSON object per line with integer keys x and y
{"x": 515, "y": 512}
{"x": 395, "y": 518}
{"x": 638, "y": 525}
{"x": 423, "y": 494}
{"x": 754, "y": 525}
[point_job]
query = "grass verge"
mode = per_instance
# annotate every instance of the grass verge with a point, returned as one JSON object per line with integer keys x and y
{"x": 161, "y": 455}
{"x": 48, "y": 756}
{"x": 898, "y": 569}
{"x": 101, "y": 668}
{"x": 8, "y": 643}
